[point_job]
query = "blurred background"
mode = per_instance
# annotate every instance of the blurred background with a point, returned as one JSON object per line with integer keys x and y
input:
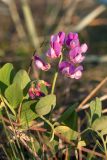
{"x": 26, "y": 24}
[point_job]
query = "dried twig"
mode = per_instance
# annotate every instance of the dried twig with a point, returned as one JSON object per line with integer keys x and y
{"x": 29, "y": 149}
{"x": 93, "y": 92}
{"x": 104, "y": 111}
{"x": 88, "y": 104}
{"x": 66, "y": 153}
{"x": 31, "y": 27}
{"x": 16, "y": 18}
{"x": 81, "y": 148}
{"x": 79, "y": 138}
{"x": 45, "y": 148}
{"x": 64, "y": 139}
{"x": 92, "y": 152}
{"x": 69, "y": 11}
{"x": 88, "y": 19}
{"x": 38, "y": 129}
{"x": 30, "y": 65}
{"x": 98, "y": 22}
{"x": 8, "y": 121}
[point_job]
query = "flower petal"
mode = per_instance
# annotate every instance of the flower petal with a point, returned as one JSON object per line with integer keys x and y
{"x": 84, "y": 48}
{"x": 72, "y": 40}
{"x": 54, "y": 38}
{"x": 76, "y": 55}
{"x": 74, "y": 43}
{"x": 61, "y": 37}
{"x": 63, "y": 65}
{"x": 57, "y": 48}
{"x": 40, "y": 64}
{"x": 31, "y": 93}
{"x": 79, "y": 58}
{"x": 77, "y": 74}
{"x": 69, "y": 70}
{"x": 51, "y": 53}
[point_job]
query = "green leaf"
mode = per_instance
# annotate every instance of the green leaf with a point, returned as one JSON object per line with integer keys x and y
{"x": 67, "y": 132}
{"x": 81, "y": 144}
{"x": 6, "y": 73}
{"x": 2, "y": 105}
{"x": 34, "y": 144}
{"x": 100, "y": 123}
{"x": 43, "y": 89}
{"x": 45, "y": 104}
{"x": 27, "y": 112}
{"x": 1, "y": 111}
{"x": 53, "y": 145}
{"x": 104, "y": 131}
{"x": 88, "y": 117}
{"x": 22, "y": 78}
{"x": 69, "y": 117}
{"x": 8, "y": 105}
{"x": 67, "y": 113}
{"x": 14, "y": 95}
{"x": 95, "y": 108}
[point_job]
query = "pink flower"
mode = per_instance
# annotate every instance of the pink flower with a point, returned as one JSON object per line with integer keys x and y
{"x": 69, "y": 70}
{"x": 40, "y": 64}
{"x": 54, "y": 53}
{"x": 84, "y": 48}
{"x": 56, "y": 43}
{"x": 40, "y": 82}
{"x": 76, "y": 54}
{"x": 31, "y": 93}
{"x": 61, "y": 37}
{"x": 72, "y": 40}
{"x": 35, "y": 91}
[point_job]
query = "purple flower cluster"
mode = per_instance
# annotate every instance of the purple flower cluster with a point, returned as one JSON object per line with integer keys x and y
{"x": 70, "y": 68}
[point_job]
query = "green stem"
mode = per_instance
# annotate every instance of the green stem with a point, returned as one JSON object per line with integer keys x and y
{"x": 52, "y": 127}
{"x": 85, "y": 130}
{"x": 55, "y": 78}
{"x": 9, "y": 106}
{"x": 54, "y": 82}
{"x": 104, "y": 144}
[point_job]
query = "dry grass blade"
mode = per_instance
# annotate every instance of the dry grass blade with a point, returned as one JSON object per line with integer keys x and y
{"x": 5, "y": 152}
{"x": 16, "y": 19}
{"x": 92, "y": 152}
{"x": 89, "y": 18}
{"x": 79, "y": 138}
{"x": 31, "y": 27}
{"x": 7, "y": 121}
{"x": 29, "y": 149}
{"x": 64, "y": 139}
{"x": 101, "y": 99}
{"x": 93, "y": 92}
